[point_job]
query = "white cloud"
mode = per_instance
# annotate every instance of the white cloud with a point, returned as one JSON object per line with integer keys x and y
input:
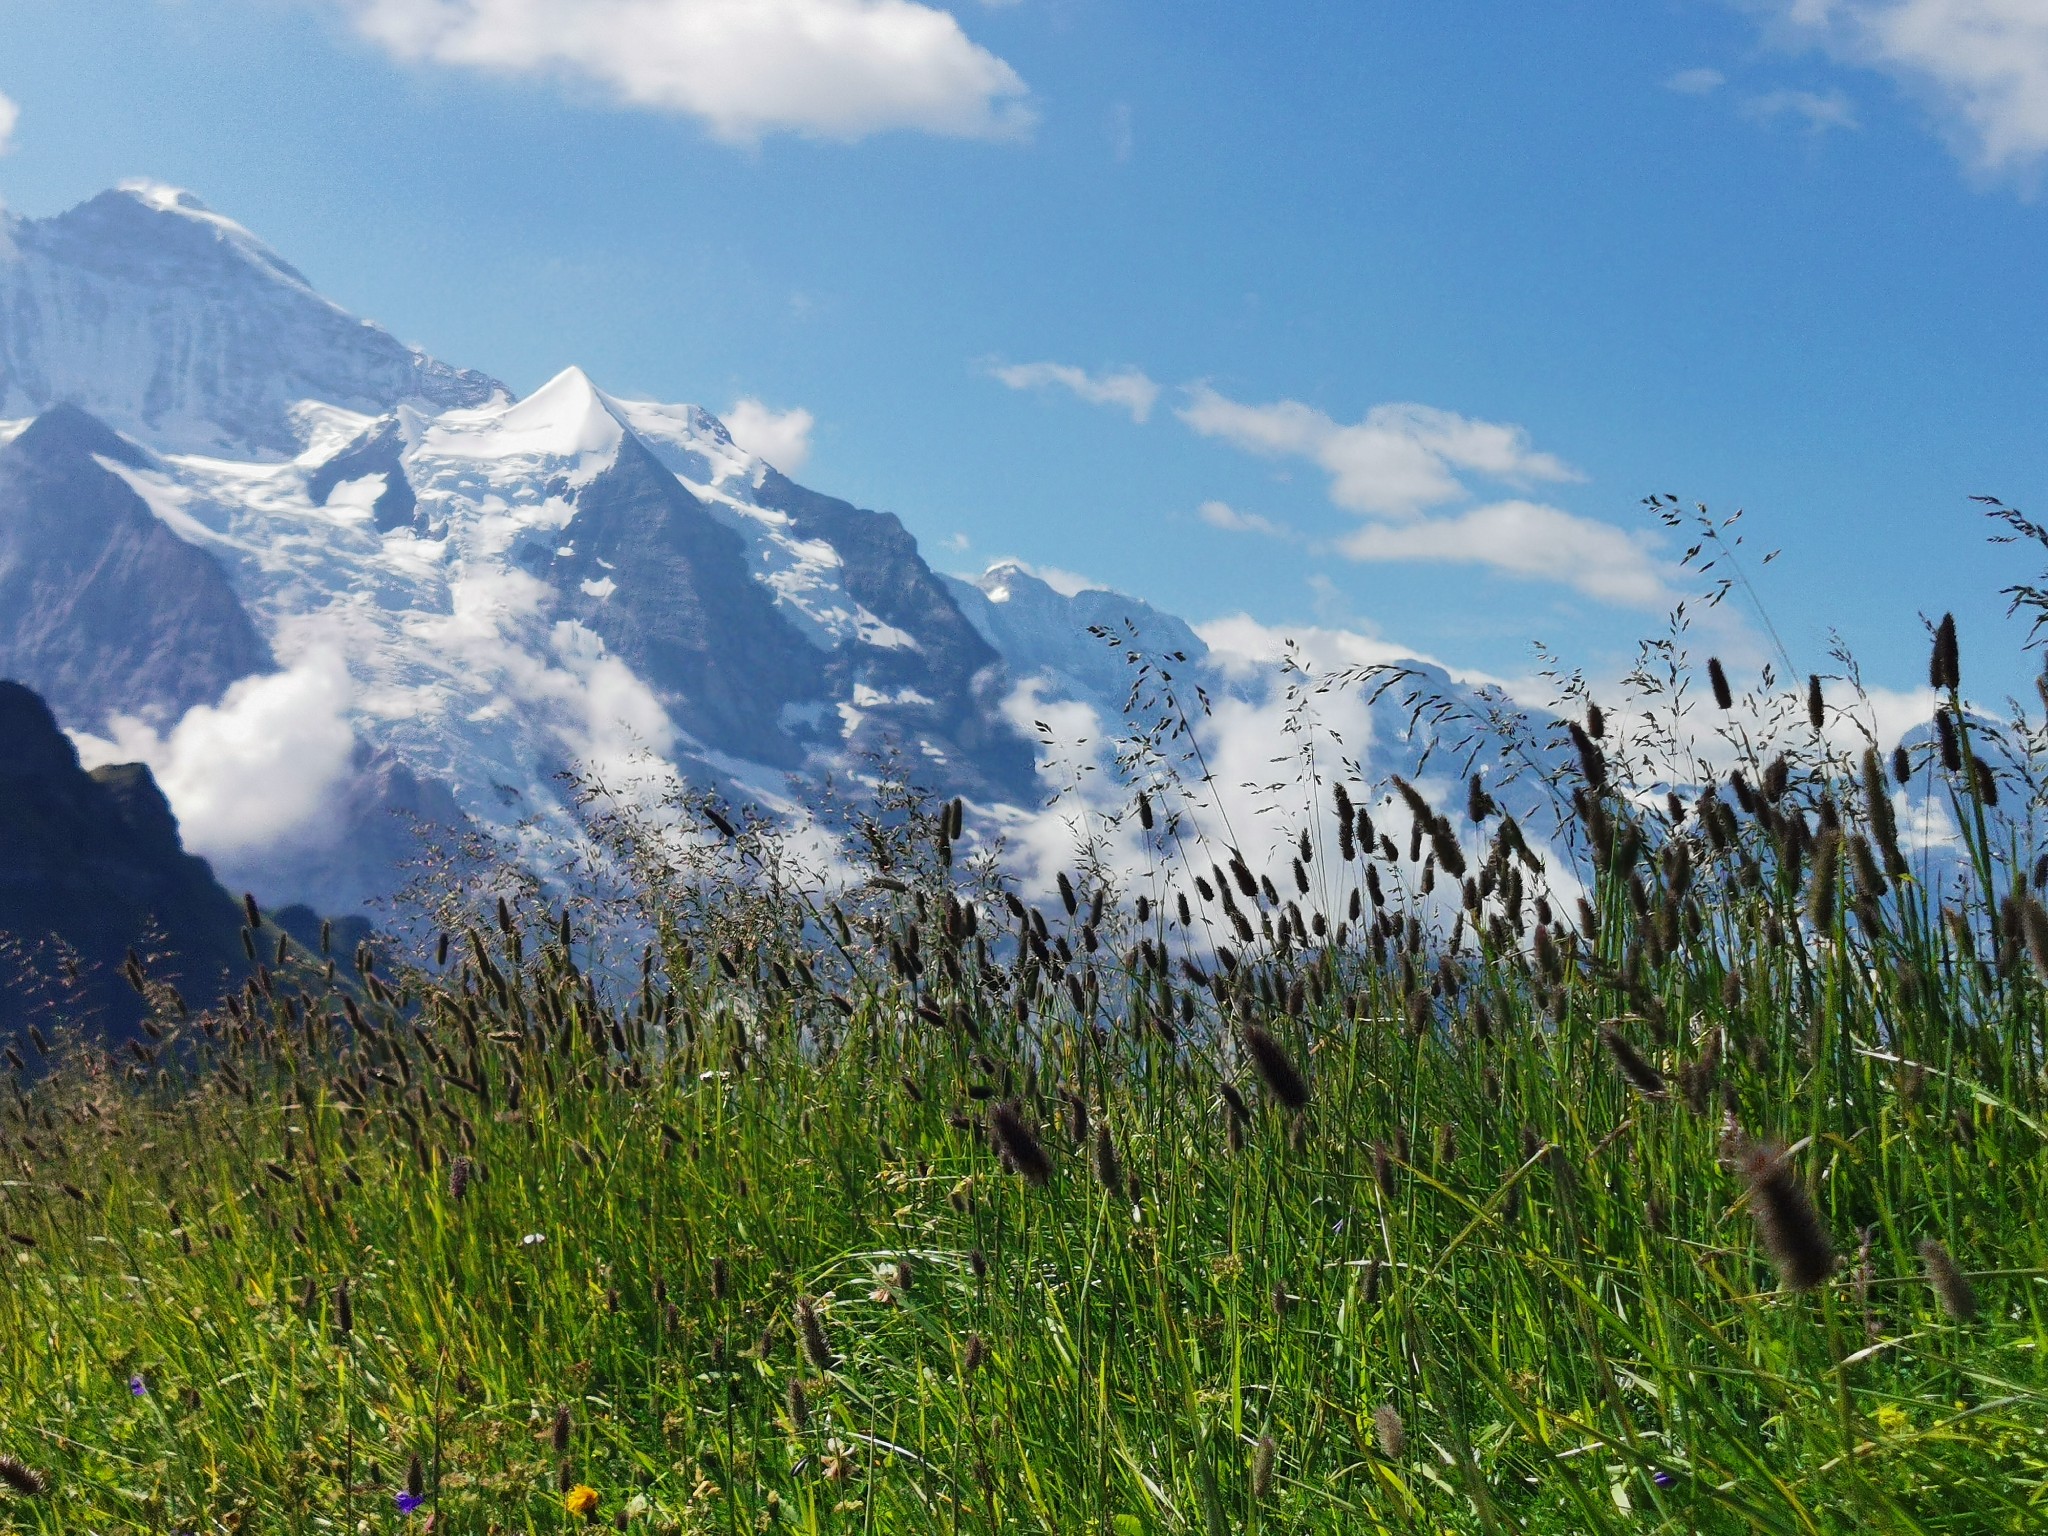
{"x": 262, "y": 768}
{"x": 10, "y": 114}
{"x": 835, "y": 69}
{"x": 1221, "y": 514}
{"x": 1524, "y": 538}
{"x": 1245, "y": 648}
{"x": 1064, "y": 582}
{"x": 1126, "y": 388}
{"x": 1820, "y": 111}
{"x": 1397, "y": 461}
{"x": 1696, "y": 82}
{"x": 1982, "y": 63}
{"x": 783, "y": 438}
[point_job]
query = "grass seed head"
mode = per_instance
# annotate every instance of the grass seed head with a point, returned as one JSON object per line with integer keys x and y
{"x": 1262, "y": 1467}
{"x": 1019, "y": 1144}
{"x": 817, "y": 1348}
{"x": 799, "y": 1406}
{"x": 25, "y": 1481}
{"x": 1634, "y": 1066}
{"x": 1389, "y": 1431}
{"x": 1276, "y": 1071}
{"x": 1786, "y": 1220}
{"x": 1951, "y": 1286}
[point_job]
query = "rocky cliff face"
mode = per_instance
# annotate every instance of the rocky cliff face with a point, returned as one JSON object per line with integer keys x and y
{"x": 91, "y": 867}
{"x": 104, "y": 610}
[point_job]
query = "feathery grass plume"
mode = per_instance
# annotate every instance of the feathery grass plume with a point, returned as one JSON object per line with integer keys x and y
{"x": 1950, "y": 1285}
{"x": 1944, "y": 665}
{"x": 1018, "y": 1143}
{"x": 1262, "y": 1467}
{"x": 415, "y": 1477}
{"x": 1870, "y": 881}
{"x": 811, "y": 1328}
{"x": 1643, "y": 1077}
{"x": 1946, "y": 739}
{"x": 1592, "y": 762}
{"x": 1816, "y": 706}
{"x": 1389, "y": 1431}
{"x": 1786, "y": 1220}
{"x": 459, "y": 1174}
{"x": 2034, "y": 920}
{"x": 1269, "y": 1059}
{"x": 1383, "y": 1168}
{"x": 1877, "y": 805}
{"x": 1984, "y": 781}
{"x": 558, "y": 1437}
{"x": 1821, "y": 883}
{"x": 1596, "y": 721}
{"x": 1144, "y": 810}
{"x": 22, "y": 1478}
{"x": 799, "y": 1406}
{"x": 1717, "y": 677}
{"x": 721, "y": 1278}
{"x": 1902, "y": 765}
{"x": 1109, "y": 1171}
{"x": 344, "y": 1312}
{"x": 1077, "y": 1118}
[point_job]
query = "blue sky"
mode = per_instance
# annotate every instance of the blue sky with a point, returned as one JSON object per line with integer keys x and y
{"x": 1379, "y": 315}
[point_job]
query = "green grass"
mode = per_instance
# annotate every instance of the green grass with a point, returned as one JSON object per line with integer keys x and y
{"x": 1553, "y": 1280}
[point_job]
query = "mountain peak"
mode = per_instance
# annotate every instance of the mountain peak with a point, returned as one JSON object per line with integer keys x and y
{"x": 182, "y": 330}
{"x": 567, "y": 418}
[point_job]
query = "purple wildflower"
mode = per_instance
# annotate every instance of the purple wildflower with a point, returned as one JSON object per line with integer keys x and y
{"x": 408, "y": 1502}
{"x": 137, "y": 1387}
{"x": 1663, "y": 1479}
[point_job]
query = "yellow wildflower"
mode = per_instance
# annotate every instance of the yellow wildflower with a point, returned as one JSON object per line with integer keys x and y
{"x": 1892, "y": 1420}
{"x": 581, "y": 1500}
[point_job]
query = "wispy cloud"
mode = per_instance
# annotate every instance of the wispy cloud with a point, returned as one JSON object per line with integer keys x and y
{"x": 10, "y": 114}
{"x": 1696, "y": 82}
{"x": 783, "y": 438}
{"x": 1126, "y": 388}
{"x": 1981, "y": 64}
{"x": 1528, "y": 539}
{"x": 1820, "y": 111}
{"x": 1396, "y": 461}
{"x": 835, "y": 69}
{"x": 1221, "y": 514}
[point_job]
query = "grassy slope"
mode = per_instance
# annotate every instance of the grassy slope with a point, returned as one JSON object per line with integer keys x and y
{"x": 1481, "y": 1284}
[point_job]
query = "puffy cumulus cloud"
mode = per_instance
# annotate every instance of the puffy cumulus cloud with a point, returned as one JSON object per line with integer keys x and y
{"x": 1397, "y": 461}
{"x": 1221, "y": 514}
{"x": 1127, "y": 389}
{"x": 783, "y": 438}
{"x": 10, "y": 114}
{"x": 835, "y": 69}
{"x": 1526, "y": 538}
{"x": 261, "y": 769}
{"x": 1983, "y": 64}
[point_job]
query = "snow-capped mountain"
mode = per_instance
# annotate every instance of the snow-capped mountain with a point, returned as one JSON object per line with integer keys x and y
{"x": 179, "y": 328}
{"x": 451, "y": 595}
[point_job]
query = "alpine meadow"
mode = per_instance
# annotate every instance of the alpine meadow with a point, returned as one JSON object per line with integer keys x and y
{"x": 1023, "y": 768}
